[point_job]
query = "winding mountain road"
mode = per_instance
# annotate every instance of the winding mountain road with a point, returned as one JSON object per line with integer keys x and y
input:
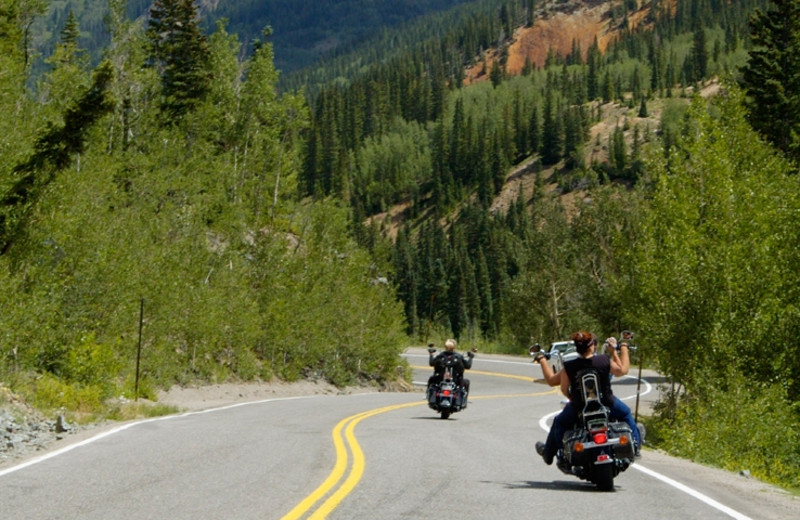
{"x": 375, "y": 455}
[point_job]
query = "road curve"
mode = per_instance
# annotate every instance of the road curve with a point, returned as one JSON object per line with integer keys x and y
{"x": 373, "y": 455}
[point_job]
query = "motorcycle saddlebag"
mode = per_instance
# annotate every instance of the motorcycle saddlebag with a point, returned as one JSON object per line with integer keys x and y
{"x": 620, "y": 429}
{"x": 570, "y": 438}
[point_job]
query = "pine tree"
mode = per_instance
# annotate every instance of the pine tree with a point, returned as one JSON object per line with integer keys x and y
{"x": 771, "y": 78}
{"x": 496, "y": 74}
{"x": 697, "y": 66}
{"x": 54, "y": 151}
{"x": 552, "y": 131}
{"x": 69, "y": 72}
{"x": 593, "y": 60}
{"x": 442, "y": 180}
{"x": 618, "y": 151}
{"x": 520, "y": 130}
{"x": 656, "y": 67}
{"x": 406, "y": 279}
{"x": 179, "y": 50}
{"x": 534, "y": 133}
{"x": 573, "y": 136}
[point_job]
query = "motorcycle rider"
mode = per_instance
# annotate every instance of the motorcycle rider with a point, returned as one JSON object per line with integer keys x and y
{"x": 566, "y": 378}
{"x": 440, "y": 362}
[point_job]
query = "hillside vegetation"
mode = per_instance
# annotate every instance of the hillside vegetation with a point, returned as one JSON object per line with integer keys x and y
{"x": 303, "y": 32}
{"x": 597, "y": 187}
{"x": 465, "y": 184}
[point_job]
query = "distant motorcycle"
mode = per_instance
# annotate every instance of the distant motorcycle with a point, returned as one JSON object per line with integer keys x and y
{"x": 446, "y": 397}
{"x": 597, "y": 449}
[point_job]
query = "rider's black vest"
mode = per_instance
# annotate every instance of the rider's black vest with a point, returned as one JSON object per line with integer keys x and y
{"x": 600, "y": 364}
{"x": 445, "y": 358}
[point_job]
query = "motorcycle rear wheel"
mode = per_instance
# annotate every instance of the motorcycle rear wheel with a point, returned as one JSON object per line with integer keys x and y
{"x": 445, "y": 414}
{"x": 604, "y": 477}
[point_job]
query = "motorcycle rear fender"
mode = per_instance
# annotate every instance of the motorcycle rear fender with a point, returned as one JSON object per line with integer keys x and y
{"x": 617, "y": 449}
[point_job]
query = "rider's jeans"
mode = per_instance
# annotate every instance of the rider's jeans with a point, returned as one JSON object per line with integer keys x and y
{"x": 564, "y": 421}
{"x": 622, "y": 412}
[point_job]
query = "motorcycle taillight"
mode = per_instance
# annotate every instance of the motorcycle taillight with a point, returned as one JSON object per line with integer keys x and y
{"x": 446, "y": 393}
{"x": 600, "y": 438}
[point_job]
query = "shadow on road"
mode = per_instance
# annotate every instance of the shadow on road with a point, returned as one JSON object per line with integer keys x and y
{"x": 435, "y": 418}
{"x": 555, "y": 485}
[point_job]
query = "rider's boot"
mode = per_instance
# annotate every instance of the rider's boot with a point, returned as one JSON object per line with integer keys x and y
{"x": 541, "y": 450}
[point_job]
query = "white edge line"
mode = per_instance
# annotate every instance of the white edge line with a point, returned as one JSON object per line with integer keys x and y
{"x": 122, "y": 427}
{"x": 693, "y": 492}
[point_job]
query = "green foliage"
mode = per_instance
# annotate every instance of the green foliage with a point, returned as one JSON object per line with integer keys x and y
{"x": 178, "y": 217}
{"x": 179, "y": 51}
{"x": 51, "y": 393}
{"x": 127, "y": 411}
{"x": 326, "y": 313}
{"x": 391, "y": 168}
{"x": 744, "y": 426}
{"x": 771, "y": 76}
{"x": 67, "y": 75}
{"x": 719, "y": 219}
{"x": 713, "y": 268}
{"x": 53, "y": 152}
{"x": 90, "y": 363}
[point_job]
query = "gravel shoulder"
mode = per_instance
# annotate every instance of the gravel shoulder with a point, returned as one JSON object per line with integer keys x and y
{"x": 26, "y": 433}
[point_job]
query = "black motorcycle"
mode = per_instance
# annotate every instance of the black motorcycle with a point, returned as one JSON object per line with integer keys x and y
{"x": 597, "y": 449}
{"x": 446, "y": 397}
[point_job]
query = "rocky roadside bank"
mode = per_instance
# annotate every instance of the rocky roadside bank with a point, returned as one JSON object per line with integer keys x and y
{"x": 24, "y": 431}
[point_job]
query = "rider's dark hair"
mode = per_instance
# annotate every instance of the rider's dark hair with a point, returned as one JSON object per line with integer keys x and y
{"x": 583, "y": 341}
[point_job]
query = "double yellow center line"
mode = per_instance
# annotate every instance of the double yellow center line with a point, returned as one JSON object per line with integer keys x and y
{"x": 343, "y": 442}
{"x": 356, "y": 470}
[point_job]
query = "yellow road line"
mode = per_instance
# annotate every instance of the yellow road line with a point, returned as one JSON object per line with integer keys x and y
{"x": 357, "y": 470}
{"x": 333, "y": 478}
{"x": 339, "y": 467}
{"x": 494, "y": 374}
{"x": 358, "y": 464}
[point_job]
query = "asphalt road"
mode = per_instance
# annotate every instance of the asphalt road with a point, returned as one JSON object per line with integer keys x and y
{"x": 378, "y": 455}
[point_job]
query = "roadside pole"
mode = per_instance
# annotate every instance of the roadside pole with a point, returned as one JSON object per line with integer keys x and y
{"x": 139, "y": 351}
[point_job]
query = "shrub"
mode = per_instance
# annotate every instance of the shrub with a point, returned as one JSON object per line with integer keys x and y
{"x": 741, "y": 427}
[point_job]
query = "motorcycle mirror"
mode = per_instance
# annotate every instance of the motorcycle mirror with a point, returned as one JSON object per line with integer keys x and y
{"x": 534, "y": 349}
{"x": 626, "y": 335}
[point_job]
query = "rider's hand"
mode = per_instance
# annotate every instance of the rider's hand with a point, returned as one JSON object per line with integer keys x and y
{"x": 538, "y": 357}
{"x": 611, "y": 345}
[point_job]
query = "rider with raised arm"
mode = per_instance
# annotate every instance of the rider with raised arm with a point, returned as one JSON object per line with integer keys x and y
{"x": 449, "y": 356}
{"x": 566, "y": 378}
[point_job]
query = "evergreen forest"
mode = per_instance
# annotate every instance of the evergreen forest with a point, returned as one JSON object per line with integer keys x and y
{"x": 177, "y": 196}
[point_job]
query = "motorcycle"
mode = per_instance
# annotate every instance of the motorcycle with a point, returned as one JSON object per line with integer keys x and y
{"x": 597, "y": 448}
{"x": 446, "y": 397}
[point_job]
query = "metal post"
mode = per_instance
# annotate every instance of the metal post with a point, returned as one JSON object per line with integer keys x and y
{"x": 138, "y": 351}
{"x": 638, "y": 387}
